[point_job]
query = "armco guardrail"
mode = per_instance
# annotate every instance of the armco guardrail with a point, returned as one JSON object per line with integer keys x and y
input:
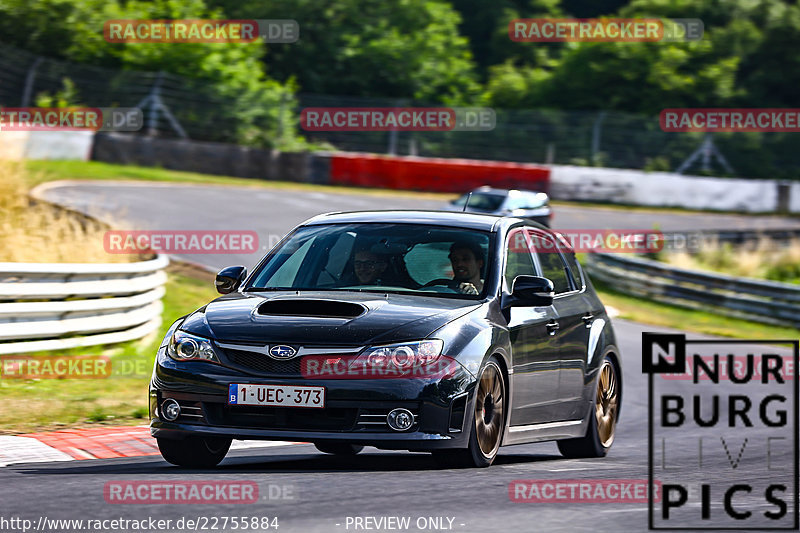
{"x": 761, "y": 301}
{"x": 47, "y": 306}
{"x": 776, "y": 236}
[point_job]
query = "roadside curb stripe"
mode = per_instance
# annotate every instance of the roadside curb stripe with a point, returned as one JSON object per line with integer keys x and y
{"x": 101, "y": 443}
{"x": 14, "y": 449}
{"x": 93, "y": 443}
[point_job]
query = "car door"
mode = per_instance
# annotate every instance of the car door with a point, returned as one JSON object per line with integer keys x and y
{"x": 574, "y": 321}
{"x": 534, "y": 345}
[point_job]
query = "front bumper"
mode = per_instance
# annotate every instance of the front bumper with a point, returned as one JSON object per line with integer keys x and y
{"x": 416, "y": 440}
{"x": 355, "y": 409}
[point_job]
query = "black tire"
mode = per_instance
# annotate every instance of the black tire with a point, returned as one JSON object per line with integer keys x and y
{"x": 602, "y": 422}
{"x": 338, "y": 448}
{"x": 487, "y": 424}
{"x": 194, "y": 452}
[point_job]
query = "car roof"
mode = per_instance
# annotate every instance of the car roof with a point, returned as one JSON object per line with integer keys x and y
{"x": 504, "y": 192}
{"x": 459, "y": 219}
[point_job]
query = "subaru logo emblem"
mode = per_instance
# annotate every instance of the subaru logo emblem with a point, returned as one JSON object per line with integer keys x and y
{"x": 281, "y": 351}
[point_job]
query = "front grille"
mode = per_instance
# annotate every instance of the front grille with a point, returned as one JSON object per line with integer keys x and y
{"x": 262, "y": 363}
{"x": 254, "y": 359}
{"x": 328, "y": 419}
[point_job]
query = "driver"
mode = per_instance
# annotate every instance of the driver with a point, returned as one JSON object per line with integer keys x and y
{"x": 368, "y": 267}
{"x": 466, "y": 257}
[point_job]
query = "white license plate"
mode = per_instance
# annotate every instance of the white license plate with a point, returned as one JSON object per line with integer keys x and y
{"x": 276, "y": 395}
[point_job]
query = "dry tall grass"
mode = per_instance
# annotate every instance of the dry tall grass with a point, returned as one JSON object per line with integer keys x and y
{"x": 765, "y": 259}
{"x": 35, "y": 232}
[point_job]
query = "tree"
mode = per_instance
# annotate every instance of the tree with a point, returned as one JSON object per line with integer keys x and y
{"x": 231, "y": 90}
{"x": 408, "y": 49}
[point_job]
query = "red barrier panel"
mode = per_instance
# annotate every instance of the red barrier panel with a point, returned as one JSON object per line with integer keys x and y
{"x": 436, "y": 175}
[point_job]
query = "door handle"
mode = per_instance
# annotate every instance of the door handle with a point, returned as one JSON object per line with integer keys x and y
{"x": 552, "y": 327}
{"x": 587, "y": 319}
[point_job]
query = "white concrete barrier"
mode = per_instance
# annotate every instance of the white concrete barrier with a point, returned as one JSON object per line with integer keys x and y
{"x": 794, "y": 197}
{"x": 666, "y": 189}
{"x": 72, "y": 145}
{"x": 12, "y": 144}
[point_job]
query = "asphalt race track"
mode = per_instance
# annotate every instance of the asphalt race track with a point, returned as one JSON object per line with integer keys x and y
{"x": 326, "y": 490}
{"x": 273, "y": 212}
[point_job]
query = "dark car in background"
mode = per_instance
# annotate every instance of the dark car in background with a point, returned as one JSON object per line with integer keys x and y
{"x": 533, "y": 205}
{"x": 450, "y": 333}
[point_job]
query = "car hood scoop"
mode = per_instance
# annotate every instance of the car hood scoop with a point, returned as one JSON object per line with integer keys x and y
{"x": 308, "y": 307}
{"x": 328, "y": 317}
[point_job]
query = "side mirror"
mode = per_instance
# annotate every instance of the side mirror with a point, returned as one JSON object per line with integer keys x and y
{"x": 229, "y": 278}
{"x": 531, "y": 291}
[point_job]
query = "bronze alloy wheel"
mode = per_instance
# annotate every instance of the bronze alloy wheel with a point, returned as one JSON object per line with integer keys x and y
{"x": 490, "y": 410}
{"x": 606, "y": 404}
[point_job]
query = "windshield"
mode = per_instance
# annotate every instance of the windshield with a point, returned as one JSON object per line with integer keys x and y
{"x": 405, "y": 258}
{"x": 526, "y": 200}
{"x": 481, "y": 201}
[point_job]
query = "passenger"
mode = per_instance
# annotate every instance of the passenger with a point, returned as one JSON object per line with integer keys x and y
{"x": 467, "y": 260}
{"x": 369, "y": 267}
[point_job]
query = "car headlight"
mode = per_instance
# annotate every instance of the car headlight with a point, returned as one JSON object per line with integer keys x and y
{"x": 187, "y": 347}
{"x": 405, "y": 355}
{"x": 168, "y": 336}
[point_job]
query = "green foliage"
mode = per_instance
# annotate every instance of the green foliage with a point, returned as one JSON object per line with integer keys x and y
{"x": 407, "y": 49}
{"x": 485, "y": 24}
{"x": 746, "y": 59}
{"x": 66, "y": 97}
{"x": 258, "y": 108}
{"x": 453, "y": 52}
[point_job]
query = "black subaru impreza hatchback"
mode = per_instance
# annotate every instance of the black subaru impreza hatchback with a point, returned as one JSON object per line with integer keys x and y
{"x": 452, "y": 333}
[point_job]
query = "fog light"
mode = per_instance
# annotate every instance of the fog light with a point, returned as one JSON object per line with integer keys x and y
{"x": 400, "y": 419}
{"x": 170, "y": 410}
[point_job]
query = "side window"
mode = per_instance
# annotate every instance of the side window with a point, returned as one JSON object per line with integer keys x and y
{"x": 572, "y": 263}
{"x": 553, "y": 266}
{"x": 519, "y": 261}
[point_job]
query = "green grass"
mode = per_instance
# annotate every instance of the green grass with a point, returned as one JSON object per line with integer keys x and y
{"x": 48, "y": 404}
{"x": 44, "y": 171}
{"x": 681, "y": 318}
